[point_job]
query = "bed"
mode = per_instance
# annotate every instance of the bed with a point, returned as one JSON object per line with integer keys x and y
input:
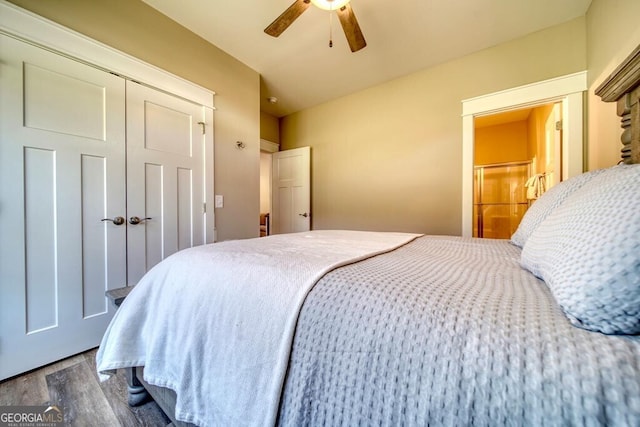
{"x": 358, "y": 328}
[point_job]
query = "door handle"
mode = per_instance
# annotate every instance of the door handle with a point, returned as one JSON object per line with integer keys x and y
{"x": 304, "y": 214}
{"x": 137, "y": 220}
{"x": 116, "y": 221}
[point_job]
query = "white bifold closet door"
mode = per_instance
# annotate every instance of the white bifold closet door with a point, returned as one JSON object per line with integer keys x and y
{"x": 79, "y": 148}
{"x": 165, "y": 176}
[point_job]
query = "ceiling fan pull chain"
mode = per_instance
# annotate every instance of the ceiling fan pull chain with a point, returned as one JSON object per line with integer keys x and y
{"x": 330, "y": 28}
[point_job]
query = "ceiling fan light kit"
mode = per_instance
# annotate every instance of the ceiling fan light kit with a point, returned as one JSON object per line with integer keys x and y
{"x": 347, "y": 18}
{"x": 329, "y": 4}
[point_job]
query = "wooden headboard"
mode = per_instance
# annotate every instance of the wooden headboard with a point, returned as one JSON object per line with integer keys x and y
{"x": 623, "y": 87}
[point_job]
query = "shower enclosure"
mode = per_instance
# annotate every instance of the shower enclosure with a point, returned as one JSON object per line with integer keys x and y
{"x": 500, "y": 198}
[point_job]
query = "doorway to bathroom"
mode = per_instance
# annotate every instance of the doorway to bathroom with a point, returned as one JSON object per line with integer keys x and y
{"x": 517, "y": 157}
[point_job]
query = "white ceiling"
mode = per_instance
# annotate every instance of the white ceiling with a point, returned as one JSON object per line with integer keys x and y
{"x": 403, "y": 36}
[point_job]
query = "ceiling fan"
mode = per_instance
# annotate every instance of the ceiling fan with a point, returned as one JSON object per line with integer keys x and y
{"x": 345, "y": 15}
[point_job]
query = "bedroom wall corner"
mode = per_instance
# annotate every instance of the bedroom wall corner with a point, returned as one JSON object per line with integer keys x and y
{"x": 269, "y": 127}
{"x": 167, "y": 45}
{"x": 612, "y": 34}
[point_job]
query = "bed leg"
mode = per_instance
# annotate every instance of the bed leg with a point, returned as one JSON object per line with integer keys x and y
{"x": 137, "y": 393}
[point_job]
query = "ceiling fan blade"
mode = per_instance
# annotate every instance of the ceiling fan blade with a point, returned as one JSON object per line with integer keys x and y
{"x": 283, "y": 21}
{"x": 351, "y": 28}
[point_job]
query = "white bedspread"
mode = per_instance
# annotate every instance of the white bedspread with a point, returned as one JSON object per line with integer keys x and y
{"x": 215, "y": 323}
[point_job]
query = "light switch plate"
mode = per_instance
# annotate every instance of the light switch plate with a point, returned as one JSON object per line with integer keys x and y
{"x": 219, "y": 201}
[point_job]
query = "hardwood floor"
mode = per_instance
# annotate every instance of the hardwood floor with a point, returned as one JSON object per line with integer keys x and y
{"x": 73, "y": 385}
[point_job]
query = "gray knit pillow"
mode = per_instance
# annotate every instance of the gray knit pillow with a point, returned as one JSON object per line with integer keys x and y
{"x": 547, "y": 203}
{"x": 588, "y": 253}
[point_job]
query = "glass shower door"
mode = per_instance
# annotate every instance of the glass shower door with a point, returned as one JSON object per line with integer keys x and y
{"x": 500, "y": 199}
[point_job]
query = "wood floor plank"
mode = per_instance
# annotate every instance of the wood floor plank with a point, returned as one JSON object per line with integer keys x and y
{"x": 76, "y": 390}
{"x": 29, "y": 389}
{"x": 73, "y": 384}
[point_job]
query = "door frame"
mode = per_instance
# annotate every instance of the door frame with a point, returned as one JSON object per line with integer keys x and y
{"x": 569, "y": 89}
{"x": 34, "y": 29}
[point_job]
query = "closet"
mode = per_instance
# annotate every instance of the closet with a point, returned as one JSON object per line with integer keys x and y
{"x": 101, "y": 177}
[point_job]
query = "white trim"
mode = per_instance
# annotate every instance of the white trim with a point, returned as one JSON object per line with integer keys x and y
{"x": 269, "y": 146}
{"x": 27, "y": 26}
{"x": 534, "y": 94}
{"x": 209, "y": 162}
{"x": 569, "y": 89}
{"x": 468, "y": 137}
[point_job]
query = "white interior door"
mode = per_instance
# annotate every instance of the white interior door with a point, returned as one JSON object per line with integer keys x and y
{"x": 166, "y": 150}
{"x": 61, "y": 172}
{"x": 291, "y": 190}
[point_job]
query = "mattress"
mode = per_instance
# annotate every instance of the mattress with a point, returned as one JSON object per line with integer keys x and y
{"x": 452, "y": 331}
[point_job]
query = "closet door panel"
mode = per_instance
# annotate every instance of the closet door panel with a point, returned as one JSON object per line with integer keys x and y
{"x": 41, "y": 238}
{"x": 165, "y": 176}
{"x": 62, "y": 170}
{"x": 185, "y": 237}
{"x": 154, "y": 245}
{"x": 63, "y": 103}
{"x": 95, "y": 274}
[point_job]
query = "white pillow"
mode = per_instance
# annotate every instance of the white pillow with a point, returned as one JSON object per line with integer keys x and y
{"x": 588, "y": 253}
{"x": 547, "y": 203}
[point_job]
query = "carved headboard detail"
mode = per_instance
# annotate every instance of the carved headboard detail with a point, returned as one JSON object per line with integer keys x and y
{"x": 623, "y": 87}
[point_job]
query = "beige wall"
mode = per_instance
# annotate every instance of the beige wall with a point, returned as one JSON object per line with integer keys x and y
{"x": 389, "y": 157}
{"x": 501, "y": 143}
{"x": 139, "y": 30}
{"x": 613, "y": 31}
{"x": 269, "y": 127}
